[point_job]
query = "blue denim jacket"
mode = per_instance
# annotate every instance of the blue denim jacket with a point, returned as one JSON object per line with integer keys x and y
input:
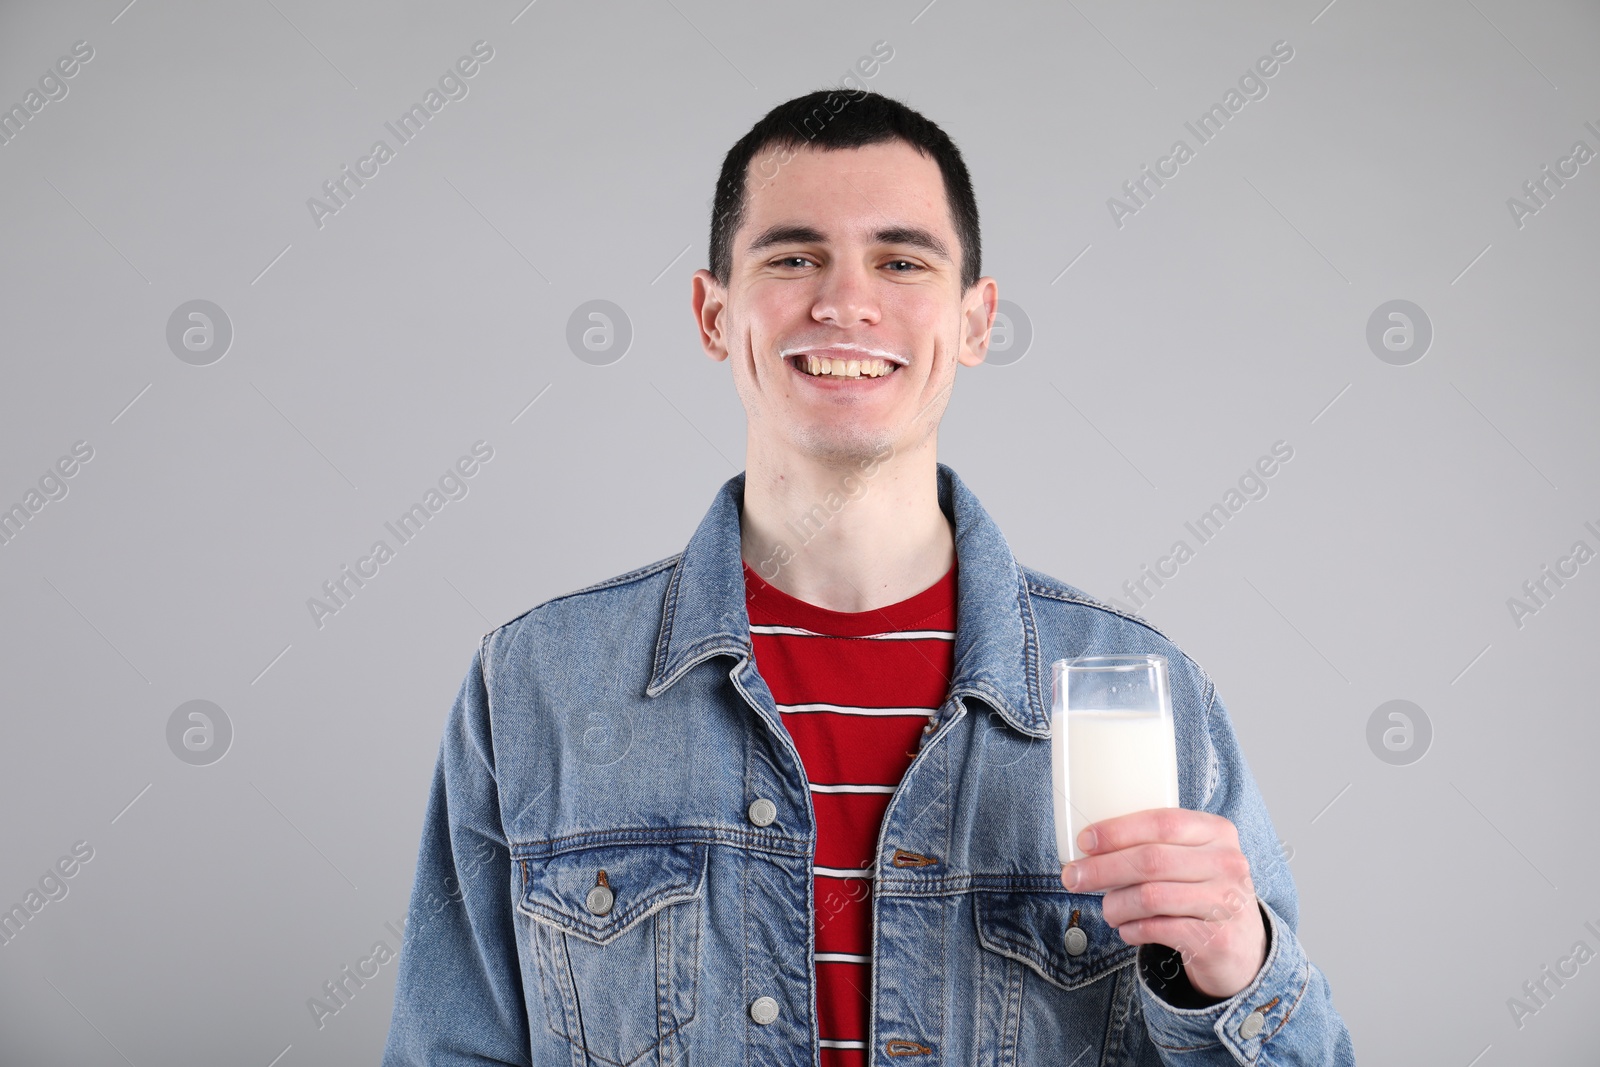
{"x": 594, "y": 887}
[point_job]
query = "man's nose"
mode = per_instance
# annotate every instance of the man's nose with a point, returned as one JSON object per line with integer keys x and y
{"x": 847, "y": 297}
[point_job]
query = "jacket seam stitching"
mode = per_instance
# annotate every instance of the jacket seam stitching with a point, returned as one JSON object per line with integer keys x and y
{"x": 955, "y": 885}
{"x": 1056, "y": 593}
{"x": 1061, "y": 596}
{"x": 1011, "y": 949}
{"x": 1030, "y": 645}
{"x": 489, "y": 765}
{"x": 550, "y": 848}
{"x": 1211, "y": 748}
{"x": 1290, "y": 1010}
{"x": 636, "y": 575}
{"x": 660, "y": 898}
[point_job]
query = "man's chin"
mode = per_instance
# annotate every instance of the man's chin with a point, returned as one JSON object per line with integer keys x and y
{"x": 850, "y": 451}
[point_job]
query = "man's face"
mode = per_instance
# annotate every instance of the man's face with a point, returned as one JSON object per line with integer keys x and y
{"x": 845, "y": 254}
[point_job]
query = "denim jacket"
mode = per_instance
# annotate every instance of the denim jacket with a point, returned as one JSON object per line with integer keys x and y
{"x": 598, "y": 886}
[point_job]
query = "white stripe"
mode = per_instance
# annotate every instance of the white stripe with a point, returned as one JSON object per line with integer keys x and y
{"x": 893, "y": 635}
{"x": 851, "y": 788}
{"x": 842, "y": 957}
{"x": 846, "y": 709}
{"x": 769, "y": 629}
{"x": 828, "y": 1042}
{"x": 842, "y": 872}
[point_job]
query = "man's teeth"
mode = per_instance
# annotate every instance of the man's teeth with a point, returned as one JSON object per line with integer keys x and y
{"x": 844, "y": 368}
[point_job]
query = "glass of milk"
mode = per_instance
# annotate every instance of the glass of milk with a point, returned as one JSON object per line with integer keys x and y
{"x": 1112, "y": 748}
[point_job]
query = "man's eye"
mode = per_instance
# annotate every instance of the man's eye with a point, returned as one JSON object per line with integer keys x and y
{"x": 905, "y": 262}
{"x": 787, "y": 260}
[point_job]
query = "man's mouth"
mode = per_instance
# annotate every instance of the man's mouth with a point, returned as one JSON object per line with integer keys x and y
{"x": 841, "y": 363}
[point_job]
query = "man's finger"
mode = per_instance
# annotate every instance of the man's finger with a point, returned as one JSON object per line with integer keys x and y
{"x": 1150, "y": 863}
{"x": 1173, "y": 900}
{"x": 1175, "y": 826}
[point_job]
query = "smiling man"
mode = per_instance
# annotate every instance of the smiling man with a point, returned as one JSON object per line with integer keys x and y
{"x": 784, "y": 796}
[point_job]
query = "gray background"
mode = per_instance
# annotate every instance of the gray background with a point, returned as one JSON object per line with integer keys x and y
{"x": 1229, "y": 313}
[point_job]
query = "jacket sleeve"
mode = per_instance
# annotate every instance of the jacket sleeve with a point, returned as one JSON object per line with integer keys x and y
{"x": 458, "y": 995}
{"x": 1285, "y": 1015}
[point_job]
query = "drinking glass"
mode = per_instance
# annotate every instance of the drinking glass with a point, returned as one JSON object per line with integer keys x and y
{"x": 1112, "y": 747}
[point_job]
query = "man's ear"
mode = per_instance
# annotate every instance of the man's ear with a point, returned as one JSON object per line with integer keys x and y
{"x": 709, "y": 300}
{"x": 977, "y": 318}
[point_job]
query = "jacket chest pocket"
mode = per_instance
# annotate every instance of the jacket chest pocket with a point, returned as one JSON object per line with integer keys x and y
{"x": 616, "y": 936}
{"x": 1066, "y": 976}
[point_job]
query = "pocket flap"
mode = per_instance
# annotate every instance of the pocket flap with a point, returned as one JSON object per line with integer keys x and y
{"x": 1033, "y": 927}
{"x": 641, "y": 879}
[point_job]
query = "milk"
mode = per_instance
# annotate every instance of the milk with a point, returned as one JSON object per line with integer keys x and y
{"x": 1108, "y": 763}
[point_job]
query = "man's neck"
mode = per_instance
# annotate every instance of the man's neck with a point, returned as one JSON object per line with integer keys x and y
{"x": 843, "y": 538}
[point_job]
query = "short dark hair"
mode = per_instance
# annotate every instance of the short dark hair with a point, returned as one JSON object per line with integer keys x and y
{"x": 830, "y": 119}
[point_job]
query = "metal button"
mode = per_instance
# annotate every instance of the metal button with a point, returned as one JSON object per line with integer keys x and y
{"x": 599, "y": 900}
{"x": 1077, "y": 941}
{"x": 764, "y": 1010}
{"x": 762, "y": 811}
{"x": 1252, "y": 1024}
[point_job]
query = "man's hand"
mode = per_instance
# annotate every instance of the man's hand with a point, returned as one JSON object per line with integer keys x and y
{"x": 1177, "y": 877}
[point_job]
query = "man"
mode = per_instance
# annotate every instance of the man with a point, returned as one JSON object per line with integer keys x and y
{"x": 784, "y": 797}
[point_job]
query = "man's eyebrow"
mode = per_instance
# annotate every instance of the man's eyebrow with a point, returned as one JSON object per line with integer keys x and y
{"x": 914, "y": 236}
{"x": 786, "y": 234}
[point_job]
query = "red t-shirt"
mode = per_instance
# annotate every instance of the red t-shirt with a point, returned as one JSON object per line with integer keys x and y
{"x": 856, "y": 691}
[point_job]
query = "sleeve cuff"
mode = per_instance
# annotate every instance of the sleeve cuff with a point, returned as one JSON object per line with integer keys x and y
{"x": 1180, "y": 1017}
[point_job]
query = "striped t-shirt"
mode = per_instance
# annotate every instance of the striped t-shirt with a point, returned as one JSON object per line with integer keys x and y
{"x": 856, "y": 691}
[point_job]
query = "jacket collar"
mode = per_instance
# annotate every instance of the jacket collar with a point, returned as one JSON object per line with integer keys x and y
{"x": 996, "y": 653}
